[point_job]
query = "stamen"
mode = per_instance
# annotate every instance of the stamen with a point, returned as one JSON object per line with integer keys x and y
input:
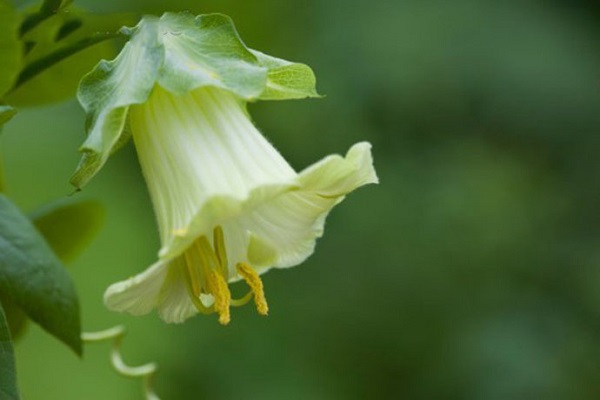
{"x": 206, "y": 267}
{"x": 219, "y": 244}
{"x": 191, "y": 285}
{"x": 222, "y": 295}
{"x": 255, "y": 283}
{"x": 194, "y": 275}
{"x": 209, "y": 258}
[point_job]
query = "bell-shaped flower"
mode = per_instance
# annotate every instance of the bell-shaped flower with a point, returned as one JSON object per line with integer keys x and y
{"x": 228, "y": 205}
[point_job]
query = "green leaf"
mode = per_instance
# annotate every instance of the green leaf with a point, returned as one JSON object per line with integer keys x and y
{"x": 68, "y": 227}
{"x": 181, "y": 53}
{"x": 8, "y": 375}
{"x": 60, "y": 50}
{"x": 32, "y": 277}
{"x": 286, "y": 80}
{"x": 10, "y": 46}
{"x": 15, "y": 317}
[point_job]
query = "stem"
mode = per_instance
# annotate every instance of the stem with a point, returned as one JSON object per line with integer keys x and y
{"x": 48, "y": 9}
{"x": 145, "y": 371}
{"x": 38, "y": 66}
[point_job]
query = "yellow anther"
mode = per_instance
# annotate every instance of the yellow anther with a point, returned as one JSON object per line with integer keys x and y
{"x": 255, "y": 283}
{"x": 222, "y": 295}
{"x": 206, "y": 268}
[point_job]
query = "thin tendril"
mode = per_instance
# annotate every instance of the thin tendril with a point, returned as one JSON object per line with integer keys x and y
{"x": 145, "y": 372}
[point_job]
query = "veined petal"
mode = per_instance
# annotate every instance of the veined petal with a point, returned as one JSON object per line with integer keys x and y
{"x": 174, "y": 304}
{"x": 336, "y": 176}
{"x": 161, "y": 286}
{"x": 137, "y": 295}
{"x": 201, "y": 155}
{"x": 216, "y": 211}
{"x": 284, "y": 230}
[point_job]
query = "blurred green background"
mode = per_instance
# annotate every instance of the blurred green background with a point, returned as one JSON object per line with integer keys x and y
{"x": 471, "y": 272}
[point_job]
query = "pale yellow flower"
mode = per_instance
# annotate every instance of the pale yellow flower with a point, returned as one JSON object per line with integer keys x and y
{"x": 228, "y": 205}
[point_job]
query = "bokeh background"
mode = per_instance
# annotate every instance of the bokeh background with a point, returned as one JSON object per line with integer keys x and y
{"x": 471, "y": 272}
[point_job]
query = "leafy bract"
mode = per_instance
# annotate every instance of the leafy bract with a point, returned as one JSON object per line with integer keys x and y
{"x": 286, "y": 80}
{"x": 207, "y": 51}
{"x": 34, "y": 279}
{"x": 181, "y": 53}
{"x": 107, "y": 92}
{"x": 8, "y": 376}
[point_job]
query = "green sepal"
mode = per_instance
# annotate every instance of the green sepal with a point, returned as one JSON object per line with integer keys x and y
{"x": 286, "y": 80}
{"x": 181, "y": 53}
{"x": 68, "y": 226}
{"x": 109, "y": 89}
{"x": 207, "y": 51}
{"x": 35, "y": 280}
{"x": 10, "y": 46}
{"x": 8, "y": 374}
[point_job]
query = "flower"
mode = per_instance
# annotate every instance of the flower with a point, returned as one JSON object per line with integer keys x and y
{"x": 228, "y": 205}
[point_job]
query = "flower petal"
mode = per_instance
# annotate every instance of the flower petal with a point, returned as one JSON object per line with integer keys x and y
{"x": 161, "y": 286}
{"x": 337, "y": 176}
{"x": 216, "y": 211}
{"x": 174, "y": 304}
{"x": 137, "y": 295}
{"x": 204, "y": 161}
{"x": 284, "y": 230}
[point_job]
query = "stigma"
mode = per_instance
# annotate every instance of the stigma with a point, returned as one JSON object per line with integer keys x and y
{"x": 207, "y": 273}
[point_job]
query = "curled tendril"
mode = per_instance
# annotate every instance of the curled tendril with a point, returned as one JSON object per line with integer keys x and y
{"x": 145, "y": 372}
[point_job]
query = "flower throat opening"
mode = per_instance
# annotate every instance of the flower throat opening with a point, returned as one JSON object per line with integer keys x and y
{"x": 207, "y": 274}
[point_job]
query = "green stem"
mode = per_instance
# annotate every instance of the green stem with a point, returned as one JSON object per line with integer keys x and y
{"x": 48, "y": 9}
{"x": 38, "y": 66}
